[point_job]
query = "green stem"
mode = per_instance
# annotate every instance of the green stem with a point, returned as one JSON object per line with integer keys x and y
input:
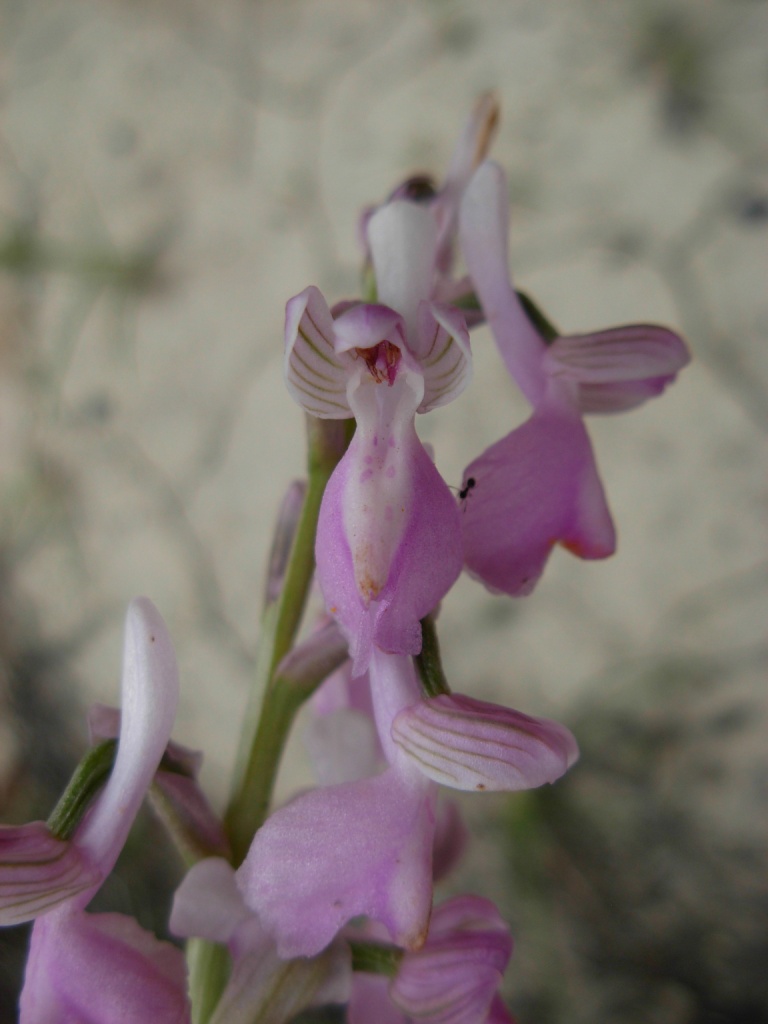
{"x": 265, "y": 733}
{"x": 209, "y": 969}
{"x": 428, "y": 663}
{"x": 265, "y": 738}
{"x": 88, "y": 778}
{"x": 375, "y": 957}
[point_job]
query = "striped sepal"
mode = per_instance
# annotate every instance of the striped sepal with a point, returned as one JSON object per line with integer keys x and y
{"x": 444, "y": 354}
{"x": 38, "y": 872}
{"x": 314, "y": 374}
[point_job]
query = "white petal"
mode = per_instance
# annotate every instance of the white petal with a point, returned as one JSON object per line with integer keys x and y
{"x": 150, "y": 693}
{"x": 403, "y": 237}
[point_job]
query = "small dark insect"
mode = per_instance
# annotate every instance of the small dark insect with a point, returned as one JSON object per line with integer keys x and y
{"x": 467, "y": 487}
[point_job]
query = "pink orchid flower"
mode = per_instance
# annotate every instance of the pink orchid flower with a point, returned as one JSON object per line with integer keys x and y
{"x": 539, "y": 485}
{"x": 389, "y": 538}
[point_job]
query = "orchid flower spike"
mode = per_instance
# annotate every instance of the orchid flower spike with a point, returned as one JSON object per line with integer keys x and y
{"x": 539, "y": 485}
{"x": 99, "y": 967}
{"x": 388, "y": 539}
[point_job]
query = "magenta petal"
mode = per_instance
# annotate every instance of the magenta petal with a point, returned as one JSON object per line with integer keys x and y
{"x": 38, "y": 872}
{"x": 335, "y": 853}
{"x": 427, "y": 563}
{"x": 535, "y": 488}
{"x": 424, "y": 564}
{"x": 94, "y": 968}
{"x": 470, "y": 744}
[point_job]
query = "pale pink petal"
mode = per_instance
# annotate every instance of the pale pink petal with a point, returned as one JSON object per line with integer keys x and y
{"x": 403, "y": 237}
{"x": 150, "y": 691}
{"x": 208, "y": 903}
{"x": 473, "y": 745}
{"x": 98, "y": 968}
{"x": 388, "y": 542}
{"x": 335, "y": 853}
{"x": 633, "y": 353}
{"x": 368, "y": 324}
{"x": 445, "y": 355}
{"x": 535, "y": 488}
{"x": 314, "y": 375}
{"x": 484, "y": 224}
{"x": 39, "y": 871}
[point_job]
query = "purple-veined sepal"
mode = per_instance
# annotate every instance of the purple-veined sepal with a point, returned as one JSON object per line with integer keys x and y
{"x": 473, "y": 745}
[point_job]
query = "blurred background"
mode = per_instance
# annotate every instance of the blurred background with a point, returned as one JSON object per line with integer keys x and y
{"x": 170, "y": 173}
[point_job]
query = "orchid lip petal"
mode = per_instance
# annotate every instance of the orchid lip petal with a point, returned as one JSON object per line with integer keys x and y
{"x": 314, "y": 375}
{"x": 472, "y": 745}
{"x": 341, "y": 851}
